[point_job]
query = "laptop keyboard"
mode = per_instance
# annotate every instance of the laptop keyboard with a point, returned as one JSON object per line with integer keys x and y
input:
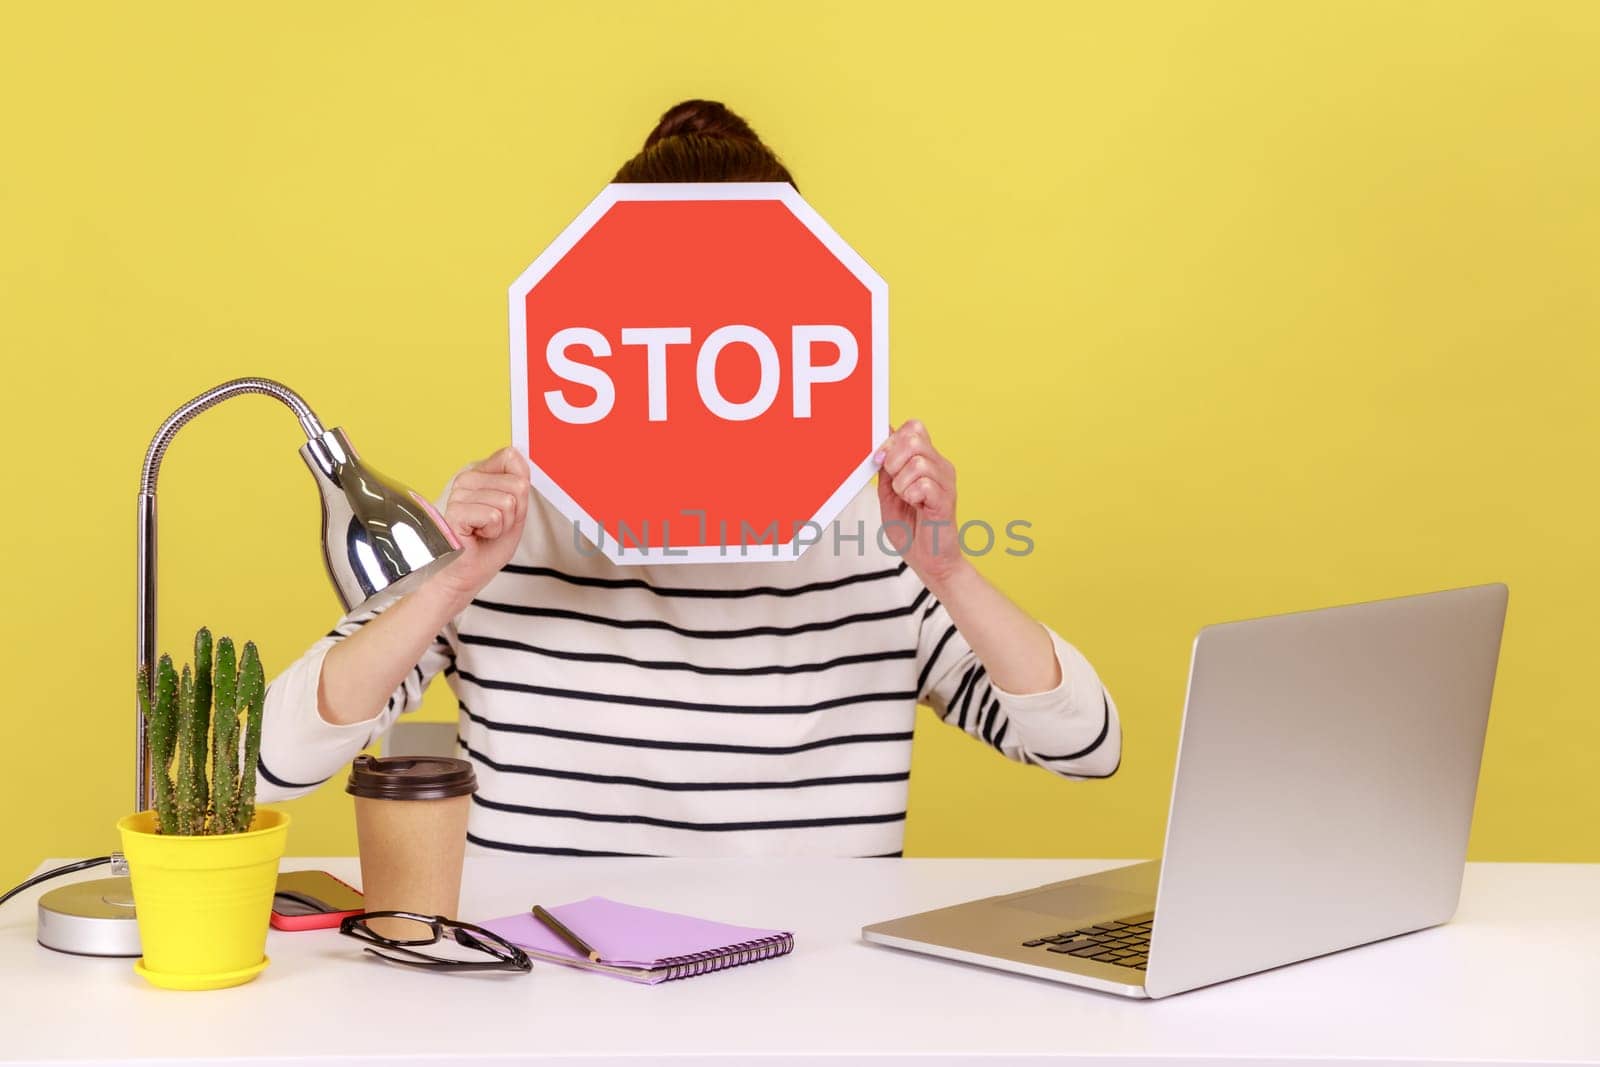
{"x": 1123, "y": 943}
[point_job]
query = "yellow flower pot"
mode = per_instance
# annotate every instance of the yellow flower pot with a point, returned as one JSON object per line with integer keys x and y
{"x": 203, "y": 903}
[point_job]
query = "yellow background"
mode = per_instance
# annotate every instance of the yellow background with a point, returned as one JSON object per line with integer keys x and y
{"x": 1248, "y": 307}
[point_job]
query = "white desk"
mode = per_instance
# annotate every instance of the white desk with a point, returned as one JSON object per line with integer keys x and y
{"x": 1514, "y": 979}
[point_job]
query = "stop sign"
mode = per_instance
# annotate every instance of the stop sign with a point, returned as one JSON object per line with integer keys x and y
{"x": 699, "y": 372}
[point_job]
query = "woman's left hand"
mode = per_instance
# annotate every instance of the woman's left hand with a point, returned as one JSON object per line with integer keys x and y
{"x": 917, "y": 497}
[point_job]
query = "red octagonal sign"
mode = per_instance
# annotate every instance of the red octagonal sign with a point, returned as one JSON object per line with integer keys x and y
{"x": 699, "y": 372}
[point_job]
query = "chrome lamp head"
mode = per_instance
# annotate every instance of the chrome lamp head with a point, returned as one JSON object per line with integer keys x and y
{"x": 379, "y": 539}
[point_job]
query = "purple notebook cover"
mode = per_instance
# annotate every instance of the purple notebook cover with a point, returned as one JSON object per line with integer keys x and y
{"x": 626, "y": 935}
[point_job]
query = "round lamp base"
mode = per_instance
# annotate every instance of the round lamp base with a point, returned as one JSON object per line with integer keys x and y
{"x": 93, "y": 918}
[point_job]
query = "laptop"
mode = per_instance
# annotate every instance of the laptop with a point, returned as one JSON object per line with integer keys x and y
{"x": 1326, "y": 772}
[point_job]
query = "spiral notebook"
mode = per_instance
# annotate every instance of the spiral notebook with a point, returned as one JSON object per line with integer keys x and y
{"x": 642, "y": 944}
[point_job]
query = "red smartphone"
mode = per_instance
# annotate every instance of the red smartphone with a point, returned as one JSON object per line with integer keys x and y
{"x": 313, "y": 900}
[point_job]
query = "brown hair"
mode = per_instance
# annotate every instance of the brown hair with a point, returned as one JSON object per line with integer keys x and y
{"x": 702, "y": 141}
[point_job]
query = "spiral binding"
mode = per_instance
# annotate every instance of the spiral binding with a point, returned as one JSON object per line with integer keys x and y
{"x": 763, "y": 948}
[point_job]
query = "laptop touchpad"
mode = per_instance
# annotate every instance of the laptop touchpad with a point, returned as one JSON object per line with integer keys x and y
{"x": 1085, "y": 900}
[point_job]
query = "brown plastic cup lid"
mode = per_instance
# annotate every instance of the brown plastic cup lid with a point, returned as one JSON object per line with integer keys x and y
{"x": 410, "y": 778}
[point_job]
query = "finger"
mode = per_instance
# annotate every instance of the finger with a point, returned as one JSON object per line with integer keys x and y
{"x": 475, "y": 520}
{"x": 514, "y": 484}
{"x": 495, "y": 498}
{"x": 507, "y": 460}
{"x": 886, "y": 494}
{"x": 882, "y": 450}
{"x": 911, "y": 426}
{"x": 506, "y": 483}
{"x": 927, "y": 494}
{"x": 519, "y": 464}
{"x": 510, "y": 484}
{"x": 518, "y": 473}
{"x": 916, "y": 467}
{"x": 906, "y": 444}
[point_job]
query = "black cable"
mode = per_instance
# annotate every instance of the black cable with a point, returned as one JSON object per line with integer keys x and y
{"x": 71, "y": 868}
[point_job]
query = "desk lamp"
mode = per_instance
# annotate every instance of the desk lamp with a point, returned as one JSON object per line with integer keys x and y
{"x": 379, "y": 540}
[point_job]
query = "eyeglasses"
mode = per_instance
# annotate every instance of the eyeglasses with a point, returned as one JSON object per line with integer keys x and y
{"x": 506, "y": 956}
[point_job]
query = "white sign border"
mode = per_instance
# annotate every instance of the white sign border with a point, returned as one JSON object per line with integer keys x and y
{"x": 618, "y": 192}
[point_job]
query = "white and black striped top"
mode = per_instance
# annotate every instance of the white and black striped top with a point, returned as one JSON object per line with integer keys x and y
{"x": 700, "y": 709}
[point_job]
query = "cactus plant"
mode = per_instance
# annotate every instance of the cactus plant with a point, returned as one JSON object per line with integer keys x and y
{"x": 190, "y": 810}
{"x": 225, "y": 738}
{"x": 160, "y": 706}
{"x": 201, "y": 713}
{"x": 187, "y": 741}
{"x": 252, "y": 696}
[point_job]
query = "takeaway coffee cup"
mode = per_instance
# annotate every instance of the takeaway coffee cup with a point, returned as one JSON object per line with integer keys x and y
{"x": 411, "y": 829}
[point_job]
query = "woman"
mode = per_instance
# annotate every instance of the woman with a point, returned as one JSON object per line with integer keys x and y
{"x": 710, "y": 709}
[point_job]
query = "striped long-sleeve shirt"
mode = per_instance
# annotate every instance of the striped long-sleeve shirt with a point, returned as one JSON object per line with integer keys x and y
{"x": 699, "y": 709}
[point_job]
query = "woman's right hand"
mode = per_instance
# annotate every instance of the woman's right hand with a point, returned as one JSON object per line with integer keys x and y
{"x": 486, "y": 510}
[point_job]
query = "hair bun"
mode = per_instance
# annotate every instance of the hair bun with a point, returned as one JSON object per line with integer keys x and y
{"x": 708, "y": 118}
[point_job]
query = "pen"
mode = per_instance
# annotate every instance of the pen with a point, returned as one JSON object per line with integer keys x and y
{"x": 556, "y": 927}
